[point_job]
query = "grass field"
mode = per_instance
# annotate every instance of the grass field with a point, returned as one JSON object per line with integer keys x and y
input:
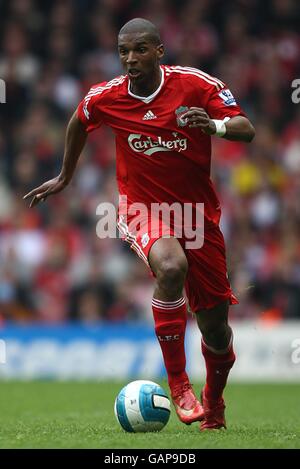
{"x": 80, "y": 415}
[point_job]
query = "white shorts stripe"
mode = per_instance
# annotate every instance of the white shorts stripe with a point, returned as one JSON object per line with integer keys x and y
{"x": 124, "y": 229}
{"x": 134, "y": 245}
{"x": 131, "y": 239}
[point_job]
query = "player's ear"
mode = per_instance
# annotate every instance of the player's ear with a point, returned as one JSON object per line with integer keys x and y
{"x": 160, "y": 51}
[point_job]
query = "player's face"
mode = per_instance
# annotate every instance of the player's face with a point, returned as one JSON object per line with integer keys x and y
{"x": 139, "y": 56}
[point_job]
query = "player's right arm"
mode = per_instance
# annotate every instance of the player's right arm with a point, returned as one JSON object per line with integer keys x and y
{"x": 76, "y": 136}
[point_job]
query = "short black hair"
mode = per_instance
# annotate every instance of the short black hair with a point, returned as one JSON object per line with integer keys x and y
{"x": 140, "y": 25}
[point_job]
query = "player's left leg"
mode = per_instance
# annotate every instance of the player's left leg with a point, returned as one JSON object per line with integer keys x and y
{"x": 217, "y": 349}
{"x": 209, "y": 294}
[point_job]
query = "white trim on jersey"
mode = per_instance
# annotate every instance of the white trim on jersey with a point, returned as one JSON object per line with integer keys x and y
{"x": 148, "y": 99}
{"x": 200, "y": 72}
{"x": 186, "y": 71}
{"x": 99, "y": 90}
{"x": 109, "y": 84}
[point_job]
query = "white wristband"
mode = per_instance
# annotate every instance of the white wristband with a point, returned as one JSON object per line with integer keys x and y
{"x": 220, "y": 126}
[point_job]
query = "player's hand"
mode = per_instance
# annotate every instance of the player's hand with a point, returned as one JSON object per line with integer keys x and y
{"x": 48, "y": 188}
{"x": 198, "y": 117}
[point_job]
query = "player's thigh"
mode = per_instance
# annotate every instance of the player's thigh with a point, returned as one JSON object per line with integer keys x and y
{"x": 162, "y": 253}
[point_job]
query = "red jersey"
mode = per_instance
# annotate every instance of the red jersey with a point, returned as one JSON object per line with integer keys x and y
{"x": 159, "y": 157}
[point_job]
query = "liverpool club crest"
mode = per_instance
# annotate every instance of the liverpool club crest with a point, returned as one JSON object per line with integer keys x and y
{"x": 180, "y": 111}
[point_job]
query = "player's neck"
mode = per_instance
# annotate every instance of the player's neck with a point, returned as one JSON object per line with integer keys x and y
{"x": 147, "y": 87}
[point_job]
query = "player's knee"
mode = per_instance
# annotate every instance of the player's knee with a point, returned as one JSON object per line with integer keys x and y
{"x": 171, "y": 273}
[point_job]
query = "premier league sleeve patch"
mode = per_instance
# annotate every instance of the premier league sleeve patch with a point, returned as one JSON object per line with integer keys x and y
{"x": 227, "y": 97}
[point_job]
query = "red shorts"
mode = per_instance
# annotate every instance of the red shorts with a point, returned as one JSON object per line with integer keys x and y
{"x": 207, "y": 282}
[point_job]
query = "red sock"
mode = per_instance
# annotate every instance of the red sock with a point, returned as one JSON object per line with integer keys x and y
{"x": 218, "y": 366}
{"x": 170, "y": 319}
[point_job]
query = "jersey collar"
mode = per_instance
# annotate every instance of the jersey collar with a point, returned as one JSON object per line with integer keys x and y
{"x": 148, "y": 99}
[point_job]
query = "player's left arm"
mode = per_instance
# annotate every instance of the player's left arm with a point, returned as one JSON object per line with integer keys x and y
{"x": 231, "y": 128}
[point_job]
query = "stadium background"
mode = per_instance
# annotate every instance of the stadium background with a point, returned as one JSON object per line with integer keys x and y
{"x": 54, "y": 271}
{"x": 75, "y": 316}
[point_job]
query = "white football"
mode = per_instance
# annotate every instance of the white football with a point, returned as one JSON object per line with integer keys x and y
{"x": 142, "y": 406}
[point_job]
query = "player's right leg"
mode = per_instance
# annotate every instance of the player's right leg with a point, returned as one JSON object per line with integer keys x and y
{"x": 169, "y": 265}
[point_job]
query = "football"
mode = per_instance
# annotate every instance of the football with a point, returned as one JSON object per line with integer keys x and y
{"x": 142, "y": 406}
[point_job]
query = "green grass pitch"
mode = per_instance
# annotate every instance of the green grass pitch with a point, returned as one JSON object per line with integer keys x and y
{"x": 80, "y": 415}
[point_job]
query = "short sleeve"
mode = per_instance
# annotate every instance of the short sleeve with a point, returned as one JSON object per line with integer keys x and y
{"x": 221, "y": 103}
{"x": 89, "y": 110}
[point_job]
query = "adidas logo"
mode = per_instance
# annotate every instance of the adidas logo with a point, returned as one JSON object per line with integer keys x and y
{"x": 148, "y": 116}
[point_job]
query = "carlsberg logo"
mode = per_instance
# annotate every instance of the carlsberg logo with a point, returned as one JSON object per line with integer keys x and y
{"x": 148, "y": 146}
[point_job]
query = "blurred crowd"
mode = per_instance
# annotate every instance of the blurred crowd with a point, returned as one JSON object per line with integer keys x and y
{"x": 53, "y": 267}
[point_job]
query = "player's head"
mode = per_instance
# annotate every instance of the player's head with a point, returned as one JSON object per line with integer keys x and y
{"x": 140, "y": 48}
